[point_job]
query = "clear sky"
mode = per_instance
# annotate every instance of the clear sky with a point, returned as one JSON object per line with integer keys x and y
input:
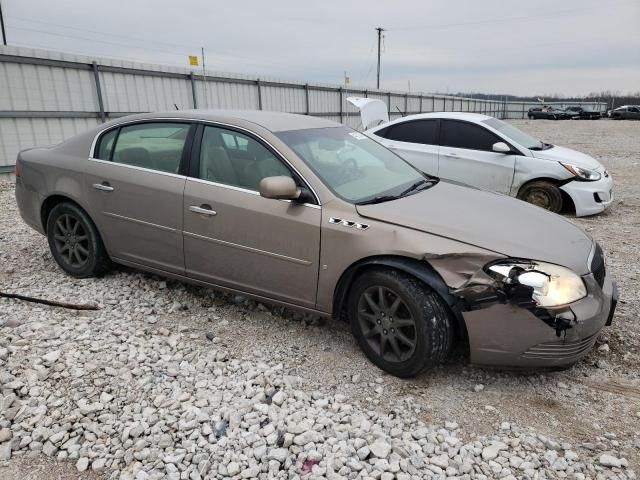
{"x": 523, "y": 47}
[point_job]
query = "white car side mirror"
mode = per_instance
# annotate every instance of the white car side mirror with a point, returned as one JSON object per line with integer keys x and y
{"x": 501, "y": 147}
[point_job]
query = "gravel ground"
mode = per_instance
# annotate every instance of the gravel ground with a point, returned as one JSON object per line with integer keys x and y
{"x": 170, "y": 380}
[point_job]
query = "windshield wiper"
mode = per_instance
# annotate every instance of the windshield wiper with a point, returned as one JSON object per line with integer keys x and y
{"x": 431, "y": 181}
{"x": 379, "y": 199}
{"x": 542, "y": 146}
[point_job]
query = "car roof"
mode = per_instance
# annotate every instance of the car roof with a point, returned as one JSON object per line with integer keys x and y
{"x": 475, "y": 117}
{"x": 273, "y": 121}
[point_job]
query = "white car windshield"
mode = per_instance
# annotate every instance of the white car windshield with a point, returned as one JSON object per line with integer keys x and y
{"x": 353, "y": 166}
{"x": 518, "y": 136}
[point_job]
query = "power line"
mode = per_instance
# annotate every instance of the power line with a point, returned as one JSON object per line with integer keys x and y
{"x": 547, "y": 15}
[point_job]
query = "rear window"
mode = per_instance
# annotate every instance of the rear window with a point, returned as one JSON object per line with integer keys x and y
{"x": 413, "y": 131}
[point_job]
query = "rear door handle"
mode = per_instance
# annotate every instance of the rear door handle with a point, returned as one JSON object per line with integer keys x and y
{"x": 104, "y": 186}
{"x": 204, "y": 209}
{"x": 451, "y": 154}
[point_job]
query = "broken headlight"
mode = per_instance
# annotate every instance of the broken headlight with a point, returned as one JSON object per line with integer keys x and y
{"x": 550, "y": 285}
{"x": 582, "y": 173}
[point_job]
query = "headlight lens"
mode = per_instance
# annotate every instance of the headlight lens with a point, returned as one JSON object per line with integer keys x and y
{"x": 552, "y": 285}
{"x": 582, "y": 173}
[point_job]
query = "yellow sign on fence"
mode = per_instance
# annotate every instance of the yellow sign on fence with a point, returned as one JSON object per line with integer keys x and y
{"x": 193, "y": 60}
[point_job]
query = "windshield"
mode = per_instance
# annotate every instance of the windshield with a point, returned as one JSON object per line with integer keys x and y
{"x": 518, "y": 136}
{"x": 353, "y": 166}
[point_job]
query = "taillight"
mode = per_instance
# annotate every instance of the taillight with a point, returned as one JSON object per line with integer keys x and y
{"x": 17, "y": 169}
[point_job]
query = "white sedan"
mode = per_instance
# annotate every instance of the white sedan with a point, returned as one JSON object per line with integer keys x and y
{"x": 487, "y": 153}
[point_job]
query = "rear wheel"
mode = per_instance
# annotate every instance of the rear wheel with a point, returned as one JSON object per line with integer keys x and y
{"x": 401, "y": 325}
{"x": 74, "y": 241}
{"x": 542, "y": 194}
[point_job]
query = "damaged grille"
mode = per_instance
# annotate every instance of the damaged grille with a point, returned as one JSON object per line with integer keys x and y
{"x": 597, "y": 265}
{"x": 561, "y": 350}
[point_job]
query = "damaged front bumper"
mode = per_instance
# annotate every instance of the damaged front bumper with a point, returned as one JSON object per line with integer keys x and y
{"x": 506, "y": 334}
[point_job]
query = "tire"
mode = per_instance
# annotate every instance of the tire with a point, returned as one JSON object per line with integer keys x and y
{"x": 75, "y": 242}
{"x": 420, "y": 335}
{"x": 531, "y": 117}
{"x": 543, "y": 194}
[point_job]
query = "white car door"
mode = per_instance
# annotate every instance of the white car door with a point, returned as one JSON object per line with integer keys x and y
{"x": 414, "y": 140}
{"x": 466, "y": 156}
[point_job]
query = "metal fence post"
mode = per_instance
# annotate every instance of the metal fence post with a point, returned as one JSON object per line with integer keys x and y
{"x": 406, "y": 103}
{"x": 341, "y": 112}
{"x": 389, "y": 101}
{"x": 306, "y": 98}
{"x": 259, "y": 94}
{"x": 193, "y": 90}
{"x": 96, "y": 77}
{"x": 421, "y": 103}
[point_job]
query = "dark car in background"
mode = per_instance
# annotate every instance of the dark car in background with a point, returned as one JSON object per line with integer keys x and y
{"x": 583, "y": 113}
{"x": 547, "y": 113}
{"x": 626, "y": 112}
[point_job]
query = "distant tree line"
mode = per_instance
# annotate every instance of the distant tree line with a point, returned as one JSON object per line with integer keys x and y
{"x": 612, "y": 99}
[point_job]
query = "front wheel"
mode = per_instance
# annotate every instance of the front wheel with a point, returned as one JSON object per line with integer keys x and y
{"x": 543, "y": 194}
{"x": 401, "y": 325}
{"x": 74, "y": 241}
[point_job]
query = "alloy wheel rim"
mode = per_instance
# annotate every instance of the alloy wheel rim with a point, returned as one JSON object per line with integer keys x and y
{"x": 71, "y": 240}
{"x": 387, "y": 324}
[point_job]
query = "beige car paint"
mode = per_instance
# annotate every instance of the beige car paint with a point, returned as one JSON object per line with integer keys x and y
{"x": 296, "y": 254}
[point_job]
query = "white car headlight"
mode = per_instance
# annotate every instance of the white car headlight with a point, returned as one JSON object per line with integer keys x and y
{"x": 582, "y": 173}
{"x": 552, "y": 285}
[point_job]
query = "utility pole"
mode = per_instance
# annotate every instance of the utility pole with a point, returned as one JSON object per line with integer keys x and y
{"x": 380, "y": 30}
{"x": 205, "y": 87}
{"x": 4, "y": 34}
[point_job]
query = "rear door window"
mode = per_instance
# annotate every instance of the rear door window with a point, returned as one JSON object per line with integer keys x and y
{"x": 413, "y": 131}
{"x": 458, "y": 134}
{"x": 157, "y": 146}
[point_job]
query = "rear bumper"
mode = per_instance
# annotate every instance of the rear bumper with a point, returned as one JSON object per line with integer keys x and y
{"x": 510, "y": 336}
{"x": 590, "y": 198}
{"x": 29, "y": 204}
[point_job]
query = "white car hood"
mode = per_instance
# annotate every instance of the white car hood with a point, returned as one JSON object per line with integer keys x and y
{"x": 566, "y": 155}
{"x": 372, "y": 112}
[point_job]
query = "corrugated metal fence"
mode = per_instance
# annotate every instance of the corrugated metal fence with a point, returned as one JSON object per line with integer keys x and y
{"x": 47, "y": 96}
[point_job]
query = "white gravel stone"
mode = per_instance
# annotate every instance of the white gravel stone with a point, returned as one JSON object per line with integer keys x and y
{"x": 380, "y": 449}
{"x": 609, "y": 461}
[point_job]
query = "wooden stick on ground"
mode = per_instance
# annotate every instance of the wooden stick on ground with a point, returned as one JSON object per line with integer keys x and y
{"x": 53, "y": 303}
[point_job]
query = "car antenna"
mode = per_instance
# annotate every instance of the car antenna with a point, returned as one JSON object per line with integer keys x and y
{"x": 176, "y": 106}
{"x": 400, "y": 111}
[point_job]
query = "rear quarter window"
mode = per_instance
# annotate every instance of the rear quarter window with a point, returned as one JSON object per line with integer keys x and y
{"x": 105, "y": 145}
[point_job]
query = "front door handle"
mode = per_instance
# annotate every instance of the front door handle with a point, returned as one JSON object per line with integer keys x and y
{"x": 204, "y": 209}
{"x": 451, "y": 154}
{"x": 104, "y": 186}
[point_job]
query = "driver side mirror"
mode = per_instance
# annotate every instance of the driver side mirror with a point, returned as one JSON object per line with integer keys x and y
{"x": 501, "y": 147}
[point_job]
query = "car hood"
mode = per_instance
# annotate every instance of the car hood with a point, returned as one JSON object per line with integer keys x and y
{"x": 491, "y": 221}
{"x": 562, "y": 154}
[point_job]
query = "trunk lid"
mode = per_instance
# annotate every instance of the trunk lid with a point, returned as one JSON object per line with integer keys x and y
{"x": 372, "y": 112}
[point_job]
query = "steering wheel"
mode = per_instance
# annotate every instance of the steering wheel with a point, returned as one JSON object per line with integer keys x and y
{"x": 350, "y": 168}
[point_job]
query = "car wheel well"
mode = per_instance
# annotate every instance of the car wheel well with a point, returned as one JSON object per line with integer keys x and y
{"x": 419, "y": 269}
{"x": 51, "y": 202}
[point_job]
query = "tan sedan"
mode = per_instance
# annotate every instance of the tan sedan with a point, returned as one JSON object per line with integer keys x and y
{"x": 307, "y": 213}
